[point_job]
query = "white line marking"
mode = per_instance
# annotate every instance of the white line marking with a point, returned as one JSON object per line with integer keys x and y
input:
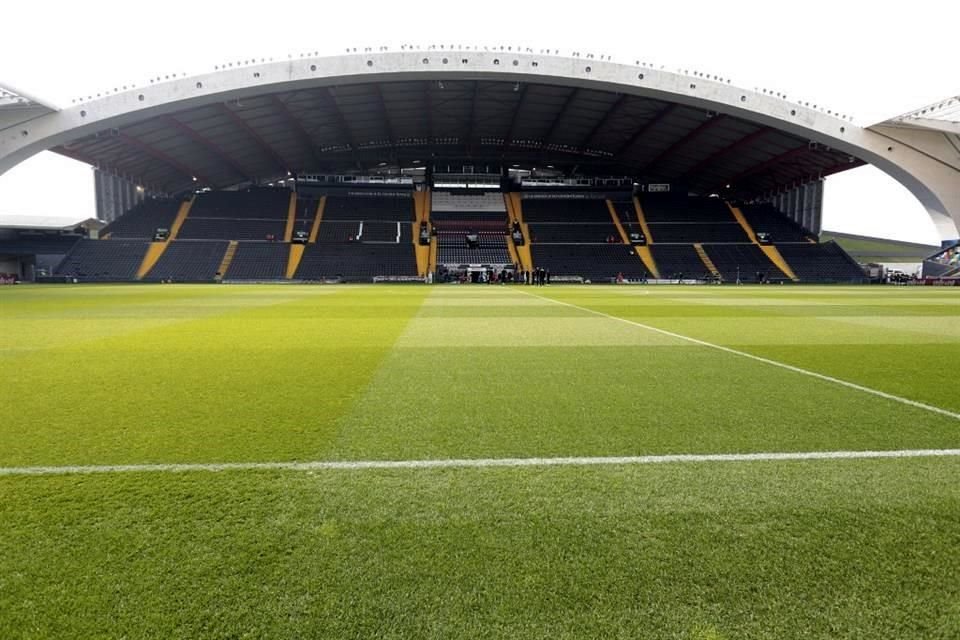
{"x": 782, "y": 365}
{"x": 467, "y": 463}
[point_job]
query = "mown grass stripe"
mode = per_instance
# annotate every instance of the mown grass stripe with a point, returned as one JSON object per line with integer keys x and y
{"x": 775, "y": 363}
{"x": 468, "y": 463}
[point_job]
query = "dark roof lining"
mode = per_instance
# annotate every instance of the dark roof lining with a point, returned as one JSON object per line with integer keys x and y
{"x": 340, "y": 128}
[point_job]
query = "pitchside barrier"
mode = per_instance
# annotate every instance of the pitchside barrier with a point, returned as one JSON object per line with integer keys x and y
{"x": 402, "y": 279}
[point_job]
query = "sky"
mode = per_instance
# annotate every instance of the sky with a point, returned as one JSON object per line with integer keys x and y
{"x": 869, "y": 60}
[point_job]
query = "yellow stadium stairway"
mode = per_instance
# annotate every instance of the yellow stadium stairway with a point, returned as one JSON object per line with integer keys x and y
{"x": 433, "y": 254}
{"x": 227, "y": 259}
{"x": 616, "y": 222}
{"x": 156, "y": 249}
{"x": 707, "y": 262}
{"x": 515, "y": 213}
{"x": 743, "y": 222}
{"x": 291, "y": 217}
{"x": 772, "y": 253}
{"x": 315, "y": 229}
{"x": 512, "y": 249}
{"x": 181, "y": 216}
{"x": 293, "y": 260}
{"x": 644, "y": 251}
{"x": 150, "y": 259}
{"x": 642, "y": 217}
{"x": 421, "y": 202}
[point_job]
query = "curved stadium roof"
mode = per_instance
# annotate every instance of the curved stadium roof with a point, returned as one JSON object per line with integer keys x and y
{"x": 261, "y": 120}
{"x": 354, "y": 126}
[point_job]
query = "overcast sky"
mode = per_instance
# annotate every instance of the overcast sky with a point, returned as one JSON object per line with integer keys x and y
{"x": 870, "y": 60}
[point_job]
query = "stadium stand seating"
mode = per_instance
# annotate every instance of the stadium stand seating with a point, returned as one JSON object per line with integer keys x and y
{"x": 674, "y": 260}
{"x": 189, "y": 261}
{"x": 362, "y": 235}
{"x": 468, "y": 211}
{"x": 559, "y": 209}
{"x": 743, "y": 261}
{"x": 357, "y": 261}
{"x": 23, "y": 244}
{"x": 254, "y": 214}
{"x": 825, "y": 262}
{"x": 259, "y": 261}
{"x": 360, "y": 231}
{"x": 142, "y": 221}
{"x": 676, "y": 219}
{"x": 369, "y": 206}
{"x": 491, "y": 248}
{"x": 689, "y": 232}
{"x": 765, "y": 218}
{"x": 103, "y": 260}
{"x": 385, "y": 232}
{"x": 195, "y": 228}
{"x": 368, "y": 234}
{"x": 943, "y": 264}
{"x": 674, "y": 208}
{"x": 625, "y": 210}
{"x": 454, "y": 214}
{"x": 339, "y": 231}
{"x": 577, "y": 237}
{"x": 552, "y": 233}
{"x": 270, "y": 203}
{"x": 594, "y": 262}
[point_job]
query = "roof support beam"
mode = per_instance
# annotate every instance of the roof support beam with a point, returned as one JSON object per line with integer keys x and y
{"x": 77, "y": 155}
{"x": 209, "y": 145}
{"x": 766, "y": 164}
{"x": 515, "y": 119}
{"x": 706, "y": 125}
{"x": 639, "y": 133}
{"x": 472, "y": 122}
{"x": 306, "y": 140}
{"x": 428, "y": 102}
{"x": 616, "y": 106}
{"x": 571, "y": 98}
{"x": 719, "y": 153}
{"x": 385, "y": 113}
{"x": 183, "y": 169}
{"x": 813, "y": 173}
{"x": 342, "y": 122}
{"x": 340, "y": 118}
{"x": 263, "y": 144}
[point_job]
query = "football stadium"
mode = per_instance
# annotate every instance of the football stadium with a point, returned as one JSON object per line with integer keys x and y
{"x": 474, "y": 342}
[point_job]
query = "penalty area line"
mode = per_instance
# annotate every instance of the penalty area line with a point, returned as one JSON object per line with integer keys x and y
{"x": 477, "y": 463}
{"x": 743, "y": 354}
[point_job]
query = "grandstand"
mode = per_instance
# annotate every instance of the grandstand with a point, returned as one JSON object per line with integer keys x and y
{"x": 544, "y": 172}
{"x": 361, "y": 233}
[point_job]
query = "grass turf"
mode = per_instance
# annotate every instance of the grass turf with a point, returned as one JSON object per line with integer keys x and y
{"x": 101, "y": 375}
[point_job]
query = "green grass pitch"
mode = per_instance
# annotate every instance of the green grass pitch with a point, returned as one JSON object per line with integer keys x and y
{"x": 840, "y": 548}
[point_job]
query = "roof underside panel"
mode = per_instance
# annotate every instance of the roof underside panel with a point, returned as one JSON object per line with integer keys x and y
{"x": 353, "y": 127}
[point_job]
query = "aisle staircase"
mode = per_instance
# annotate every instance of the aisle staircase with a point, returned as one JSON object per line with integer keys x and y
{"x": 768, "y": 249}
{"x": 227, "y": 259}
{"x": 707, "y": 262}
